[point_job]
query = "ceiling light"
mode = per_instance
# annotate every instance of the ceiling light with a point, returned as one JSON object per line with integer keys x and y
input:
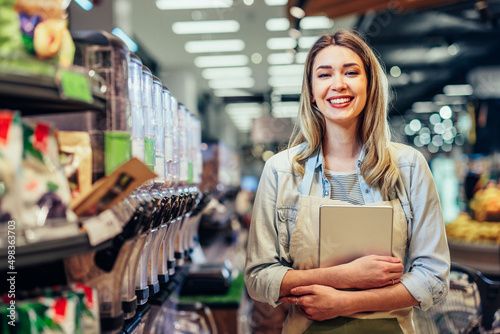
{"x": 315, "y": 22}
{"x": 297, "y": 12}
{"x": 453, "y": 49}
{"x": 395, "y": 71}
{"x": 226, "y": 72}
{"x": 307, "y": 42}
{"x": 458, "y": 90}
{"x": 286, "y": 70}
{"x": 445, "y": 112}
{"x": 435, "y": 119}
{"x": 280, "y": 58}
{"x": 285, "y": 109}
{"x": 85, "y": 4}
{"x": 192, "y": 4}
{"x": 278, "y": 24}
{"x": 290, "y": 90}
{"x": 132, "y": 46}
{"x": 248, "y": 2}
{"x": 415, "y": 125}
{"x": 300, "y": 57}
{"x": 247, "y": 82}
{"x": 285, "y": 81}
{"x": 281, "y": 43}
{"x": 423, "y": 107}
{"x": 220, "y": 61}
{"x": 256, "y": 58}
{"x": 205, "y": 27}
{"x": 231, "y": 92}
{"x": 222, "y": 45}
{"x": 276, "y": 2}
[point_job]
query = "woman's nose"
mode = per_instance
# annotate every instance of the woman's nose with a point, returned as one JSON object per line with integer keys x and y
{"x": 338, "y": 84}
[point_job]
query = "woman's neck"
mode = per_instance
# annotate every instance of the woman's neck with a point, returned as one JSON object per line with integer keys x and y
{"x": 341, "y": 150}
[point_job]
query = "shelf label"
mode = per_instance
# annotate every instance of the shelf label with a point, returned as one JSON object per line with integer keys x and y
{"x": 75, "y": 86}
{"x": 102, "y": 227}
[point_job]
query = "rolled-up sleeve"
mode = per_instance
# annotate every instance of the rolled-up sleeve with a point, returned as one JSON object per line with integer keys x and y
{"x": 428, "y": 253}
{"x": 263, "y": 270}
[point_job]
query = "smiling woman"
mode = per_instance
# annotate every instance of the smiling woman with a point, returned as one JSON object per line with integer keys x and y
{"x": 341, "y": 154}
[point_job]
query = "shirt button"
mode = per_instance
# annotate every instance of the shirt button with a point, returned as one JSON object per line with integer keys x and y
{"x": 366, "y": 191}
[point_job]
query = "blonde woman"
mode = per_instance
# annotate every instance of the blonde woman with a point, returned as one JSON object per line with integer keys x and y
{"x": 341, "y": 151}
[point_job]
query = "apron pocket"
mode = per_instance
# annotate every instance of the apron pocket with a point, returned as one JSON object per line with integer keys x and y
{"x": 344, "y": 325}
{"x": 286, "y": 225}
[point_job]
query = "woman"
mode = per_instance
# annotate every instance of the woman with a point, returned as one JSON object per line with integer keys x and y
{"x": 342, "y": 152}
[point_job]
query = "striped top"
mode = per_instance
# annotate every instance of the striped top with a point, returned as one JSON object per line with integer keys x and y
{"x": 344, "y": 186}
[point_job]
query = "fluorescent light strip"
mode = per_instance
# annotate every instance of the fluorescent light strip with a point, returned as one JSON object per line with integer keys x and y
{"x": 85, "y": 4}
{"x": 281, "y": 43}
{"x": 221, "y": 61}
{"x": 232, "y": 83}
{"x": 280, "y": 58}
{"x": 307, "y": 42}
{"x": 192, "y": 4}
{"x": 286, "y": 70}
{"x": 205, "y": 27}
{"x": 283, "y": 81}
{"x": 285, "y": 109}
{"x": 132, "y": 46}
{"x": 290, "y": 90}
{"x": 276, "y": 2}
{"x": 231, "y": 92}
{"x": 226, "y": 72}
{"x": 315, "y": 22}
{"x": 221, "y": 45}
{"x": 278, "y": 24}
{"x": 458, "y": 90}
{"x": 300, "y": 57}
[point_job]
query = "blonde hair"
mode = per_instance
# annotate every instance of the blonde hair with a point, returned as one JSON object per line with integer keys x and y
{"x": 378, "y": 168}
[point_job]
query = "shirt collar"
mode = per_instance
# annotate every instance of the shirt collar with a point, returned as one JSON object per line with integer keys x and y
{"x": 317, "y": 156}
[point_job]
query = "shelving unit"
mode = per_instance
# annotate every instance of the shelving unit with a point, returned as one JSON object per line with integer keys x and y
{"x": 41, "y": 95}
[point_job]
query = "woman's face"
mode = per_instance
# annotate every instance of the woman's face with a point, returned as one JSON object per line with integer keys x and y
{"x": 339, "y": 84}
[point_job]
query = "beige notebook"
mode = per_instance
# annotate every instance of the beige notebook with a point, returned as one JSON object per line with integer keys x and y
{"x": 347, "y": 232}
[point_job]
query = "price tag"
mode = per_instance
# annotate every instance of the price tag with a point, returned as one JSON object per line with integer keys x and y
{"x": 75, "y": 86}
{"x": 102, "y": 227}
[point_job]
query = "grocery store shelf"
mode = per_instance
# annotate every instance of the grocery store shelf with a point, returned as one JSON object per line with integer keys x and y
{"x": 484, "y": 257}
{"x": 38, "y": 94}
{"x": 48, "y": 251}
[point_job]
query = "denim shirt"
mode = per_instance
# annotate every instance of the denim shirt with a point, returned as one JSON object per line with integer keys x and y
{"x": 427, "y": 265}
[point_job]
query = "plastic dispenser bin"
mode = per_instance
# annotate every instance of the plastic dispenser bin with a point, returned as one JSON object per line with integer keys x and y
{"x": 135, "y": 96}
{"x": 129, "y": 298}
{"x": 141, "y": 278}
{"x": 104, "y": 270}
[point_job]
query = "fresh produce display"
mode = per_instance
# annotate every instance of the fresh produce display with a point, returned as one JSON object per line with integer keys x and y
{"x": 486, "y": 203}
{"x": 466, "y": 229}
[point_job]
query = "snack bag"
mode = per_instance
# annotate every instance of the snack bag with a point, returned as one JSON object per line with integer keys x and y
{"x": 11, "y": 147}
{"x": 36, "y": 27}
{"x": 75, "y": 155}
{"x": 45, "y": 191}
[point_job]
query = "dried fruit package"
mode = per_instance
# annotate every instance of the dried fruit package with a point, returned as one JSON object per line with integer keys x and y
{"x": 11, "y": 147}
{"x": 36, "y": 27}
{"x": 75, "y": 154}
{"x": 45, "y": 190}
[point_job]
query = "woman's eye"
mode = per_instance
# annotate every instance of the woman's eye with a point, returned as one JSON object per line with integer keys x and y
{"x": 352, "y": 73}
{"x": 323, "y": 75}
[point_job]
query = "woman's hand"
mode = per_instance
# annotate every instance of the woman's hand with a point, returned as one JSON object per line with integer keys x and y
{"x": 319, "y": 302}
{"x": 371, "y": 271}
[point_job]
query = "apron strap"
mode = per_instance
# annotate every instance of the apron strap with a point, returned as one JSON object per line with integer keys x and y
{"x": 305, "y": 186}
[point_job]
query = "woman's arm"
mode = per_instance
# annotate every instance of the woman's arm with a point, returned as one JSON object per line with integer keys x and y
{"x": 427, "y": 278}
{"x": 321, "y": 302}
{"x": 264, "y": 269}
{"x": 372, "y": 271}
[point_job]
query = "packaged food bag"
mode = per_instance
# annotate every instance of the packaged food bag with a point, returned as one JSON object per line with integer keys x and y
{"x": 36, "y": 27}
{"x": 45, "y": 193}
{"x": 11, "y": 147}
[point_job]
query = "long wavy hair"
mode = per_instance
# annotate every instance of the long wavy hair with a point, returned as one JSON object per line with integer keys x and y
{"x": 378, "y": 168}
